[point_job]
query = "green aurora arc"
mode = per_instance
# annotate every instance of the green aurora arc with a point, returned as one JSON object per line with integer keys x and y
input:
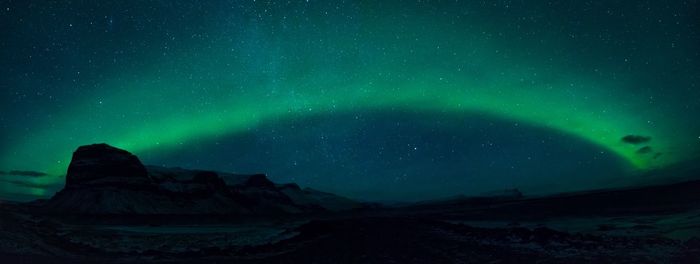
{"x": 555, "y": 111}
{"x": 260, "y": 71}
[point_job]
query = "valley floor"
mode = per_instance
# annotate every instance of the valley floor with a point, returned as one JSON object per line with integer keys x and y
{"x": 379, "y": 236}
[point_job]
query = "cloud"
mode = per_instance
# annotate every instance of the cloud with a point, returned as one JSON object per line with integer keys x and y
{"x": 26, "y": 184}
{"x": 18, "y": 196}
{"x": 644, "y": 150}
{"x": 24, "y": 173}
{"x": 635, "y": 139}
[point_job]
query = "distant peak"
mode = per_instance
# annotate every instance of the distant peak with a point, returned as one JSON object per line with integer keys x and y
{"x": 259, "y": 180}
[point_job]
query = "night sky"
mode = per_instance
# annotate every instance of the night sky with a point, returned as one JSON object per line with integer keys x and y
{"x": 374, "y": 100}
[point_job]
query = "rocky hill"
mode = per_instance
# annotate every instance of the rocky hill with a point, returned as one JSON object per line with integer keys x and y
{"x": 103, "y": 180}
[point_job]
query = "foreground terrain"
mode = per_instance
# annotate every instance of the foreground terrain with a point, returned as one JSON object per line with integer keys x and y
{"x": 378, "y": 236}
{"x": 114, "y": 209}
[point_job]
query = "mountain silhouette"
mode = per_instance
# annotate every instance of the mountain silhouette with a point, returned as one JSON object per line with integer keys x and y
{"x": 104, "y": 180}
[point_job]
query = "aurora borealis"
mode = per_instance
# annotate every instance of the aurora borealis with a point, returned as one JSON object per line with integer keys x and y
{"x": 349, "y": 96}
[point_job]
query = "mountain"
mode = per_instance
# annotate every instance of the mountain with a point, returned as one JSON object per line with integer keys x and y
{"x": 114, "y": 209}
{"x": 639, "y": 200}
{"x": 104, "y": 180}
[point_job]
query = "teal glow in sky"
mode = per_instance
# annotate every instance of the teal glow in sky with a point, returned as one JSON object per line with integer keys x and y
{"x": 156, "y": 78}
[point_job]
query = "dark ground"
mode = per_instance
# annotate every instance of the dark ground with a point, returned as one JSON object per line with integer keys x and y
{"x": 658, "y": 224}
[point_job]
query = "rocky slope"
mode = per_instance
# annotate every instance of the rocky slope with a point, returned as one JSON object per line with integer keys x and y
{"x": 104, "y": 180}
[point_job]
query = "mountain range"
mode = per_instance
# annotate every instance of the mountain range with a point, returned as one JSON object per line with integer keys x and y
{"x": 104, "y": 180}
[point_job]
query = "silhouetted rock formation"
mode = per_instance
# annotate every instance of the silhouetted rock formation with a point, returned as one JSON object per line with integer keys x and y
{"x": 105, "y": 180}
{"x": 102, "y": 164}
{"x": 259, "y": 181}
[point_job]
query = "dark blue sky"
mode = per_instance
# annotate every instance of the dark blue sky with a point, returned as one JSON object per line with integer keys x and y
{"x": 393, "y": 100}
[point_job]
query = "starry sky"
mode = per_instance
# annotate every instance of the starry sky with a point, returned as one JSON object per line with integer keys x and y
{"x": 374, "y": 100}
